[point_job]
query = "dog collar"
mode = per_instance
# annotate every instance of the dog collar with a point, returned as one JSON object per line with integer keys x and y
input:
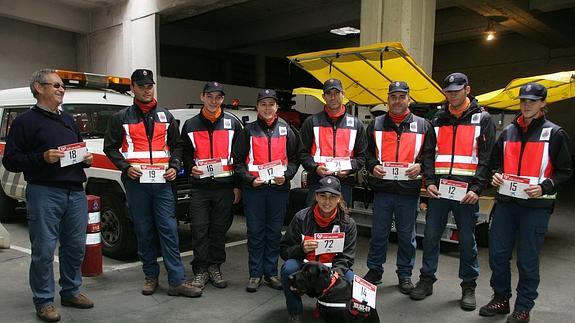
{"x": 334, "y": 278}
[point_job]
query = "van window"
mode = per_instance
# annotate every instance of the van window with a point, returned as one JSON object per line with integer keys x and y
{"x": 91, "y": 119}
{"x": 8, "y": 116}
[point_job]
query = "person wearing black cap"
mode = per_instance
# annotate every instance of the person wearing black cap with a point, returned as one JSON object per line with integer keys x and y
{"x": 530, "y": 159}
{"x": 143, "y": 141}
{"x": 455, "y": 162}
{"x": 326, "y": 215}
{"x": 329, "y": 134}
{"x": 208, "y": 140}
{"x": 266, "y": 160}
{"x": 395, "y": 146}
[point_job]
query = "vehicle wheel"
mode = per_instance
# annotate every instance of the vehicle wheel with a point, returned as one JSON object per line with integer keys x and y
{"x": 482, "y": 235}
{"x": 7, "y": 207}
{"x": 118, "y": 237}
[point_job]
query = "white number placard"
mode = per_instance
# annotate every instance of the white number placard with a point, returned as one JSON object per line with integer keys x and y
{"x": 452, "y": 190}
{"x": 514, "y": 186}
{"x": 73, "y": 153}
{"x": 210, "y": 167}
{"x": 268, "y": 171}
{"x": 395, "y": 171}
{"x": 336, "y": 164}
{"x": 152, "y": 174}
{"x": 329, "y": 242}
{"x": 363, "y": 291}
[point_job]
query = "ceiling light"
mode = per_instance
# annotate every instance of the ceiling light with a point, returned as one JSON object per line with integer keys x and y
{"x": 343, "y": 31}
{"x": 490, "y": 32}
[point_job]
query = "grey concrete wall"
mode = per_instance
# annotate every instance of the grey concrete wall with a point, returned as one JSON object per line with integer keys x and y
{"x": 27, "y": 47}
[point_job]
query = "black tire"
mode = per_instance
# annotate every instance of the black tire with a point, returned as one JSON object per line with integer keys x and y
{"x": 118, "y": 237}
{"x": 482, "y": 235}
{"x": 7, "y": 207}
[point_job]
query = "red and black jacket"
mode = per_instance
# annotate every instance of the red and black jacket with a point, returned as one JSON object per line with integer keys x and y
{"x": 388, "y": 142}
{"x": 540, "y": 154}
{"x": 260, "y": 144}
{"x": 461, "y": 147}
{"x": 135, "y": 138}
{"x": 303, "y": 224}
{"x": 323, "y": 138}
{"x": 206, "y": 140}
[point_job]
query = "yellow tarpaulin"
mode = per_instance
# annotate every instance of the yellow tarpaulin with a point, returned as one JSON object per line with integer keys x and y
{"x": 367, "y": 71}
{"x": 560, "y": 86}
{"x": 316, "y": 93}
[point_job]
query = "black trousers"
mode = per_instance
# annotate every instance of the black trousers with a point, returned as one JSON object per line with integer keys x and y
{"x": 211, "y": 217}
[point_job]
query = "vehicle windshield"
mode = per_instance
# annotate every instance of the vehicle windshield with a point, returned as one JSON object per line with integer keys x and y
{"x": 91, "y": 119}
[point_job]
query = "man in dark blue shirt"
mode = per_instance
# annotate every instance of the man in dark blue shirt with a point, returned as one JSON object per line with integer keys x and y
{"x": 56, "y": 203}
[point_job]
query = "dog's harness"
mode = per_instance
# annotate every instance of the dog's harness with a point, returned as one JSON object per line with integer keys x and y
{"x": 334, "y": 278}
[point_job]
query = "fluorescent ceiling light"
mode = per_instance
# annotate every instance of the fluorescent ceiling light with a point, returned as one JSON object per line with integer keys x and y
{"x": 345, "y": 31}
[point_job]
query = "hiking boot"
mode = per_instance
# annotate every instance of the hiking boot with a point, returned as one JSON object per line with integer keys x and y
{"x": 273, "y": 282}
{"x": 295, "y": 318}
{"x": 201, "y": 279}
{"x": 422, "y": 289}
{"x": 497, "y": 305}
{"x": 185, "y": 289}
{"x": 468, "y": 302}
{"x": 518, "y": 317}
{"x": 253, "y": 284}
{"x": 49, "y": 313}
{"x": 78, "y": 301}
{"x": 150, "y": 285}
{"x": 216, "y": 276}
{"x": 406, "y": 286}
{"x": 373, "y": 277}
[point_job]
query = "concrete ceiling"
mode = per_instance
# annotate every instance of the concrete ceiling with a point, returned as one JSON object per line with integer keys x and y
{"x": 303, "y": 25}
{"x": 89, "y": 4}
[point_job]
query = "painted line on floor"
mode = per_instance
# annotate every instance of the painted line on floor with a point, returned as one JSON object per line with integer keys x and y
{"x": 29, "y": 252}
{"x": 160, "y": 259}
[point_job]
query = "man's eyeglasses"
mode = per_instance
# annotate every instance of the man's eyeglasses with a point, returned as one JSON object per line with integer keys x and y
{"x": 55, "y": 85}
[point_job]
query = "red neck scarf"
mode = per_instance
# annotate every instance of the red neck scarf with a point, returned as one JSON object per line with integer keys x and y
{"x": 398, "y": 118}
{"x": 270, "y": 121}
{"x": 146, "y": 107}
{"x": 459, "y": 113}
{"x": 523, "y": 124}
{"x": 334, "y": 116}
{"x": 320, "y": 220}
{"x": 213, "y": 117}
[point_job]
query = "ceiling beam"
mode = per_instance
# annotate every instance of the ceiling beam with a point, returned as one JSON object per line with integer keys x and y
{"x": 46, "y": 13}
{"x": 518, "y": 19}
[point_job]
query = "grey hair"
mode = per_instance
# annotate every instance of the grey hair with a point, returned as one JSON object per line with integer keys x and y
{"x": 39, "y": 77}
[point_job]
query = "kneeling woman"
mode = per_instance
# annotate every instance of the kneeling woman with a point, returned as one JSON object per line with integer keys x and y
{"x": 326, "y": 215}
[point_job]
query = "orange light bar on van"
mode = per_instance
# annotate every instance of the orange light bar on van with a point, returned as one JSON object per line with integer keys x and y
{"x": 97, "y": 81}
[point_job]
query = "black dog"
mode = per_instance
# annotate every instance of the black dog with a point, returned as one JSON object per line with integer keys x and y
{"x": 333, "y": 293}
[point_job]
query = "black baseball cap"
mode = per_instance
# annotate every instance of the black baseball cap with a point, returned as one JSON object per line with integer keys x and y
{"x": 267, "y": 93}
{"x": 142, "y": 76}
{"x": 214, "y": 87}
{"x": 398, "y": 86}
{"x": 332, "y": 84}
{"x": 455, "y": 82}
{"x": 533, "y": 91}
{"x": 329, "y": 184}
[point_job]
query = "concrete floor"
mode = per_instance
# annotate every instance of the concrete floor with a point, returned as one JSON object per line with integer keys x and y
{"x": 118, "y": 298}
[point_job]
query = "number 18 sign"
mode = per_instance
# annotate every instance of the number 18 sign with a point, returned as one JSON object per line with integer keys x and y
{"x": 73, "y": 153}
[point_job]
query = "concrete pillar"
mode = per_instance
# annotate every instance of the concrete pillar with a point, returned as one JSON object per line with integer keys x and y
{"x": 411, "y": 22}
